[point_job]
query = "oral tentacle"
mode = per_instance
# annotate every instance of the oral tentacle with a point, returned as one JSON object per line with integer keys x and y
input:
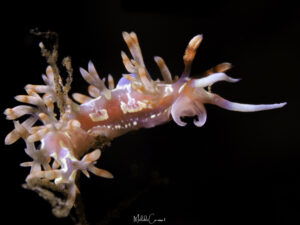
{"x": 240, "y": 107}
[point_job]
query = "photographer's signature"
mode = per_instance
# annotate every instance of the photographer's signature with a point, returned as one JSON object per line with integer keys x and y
{"x": 151, "y": 219}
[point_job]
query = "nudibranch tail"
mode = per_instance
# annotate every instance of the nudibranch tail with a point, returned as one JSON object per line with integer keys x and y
{"x": 58, "y": 147}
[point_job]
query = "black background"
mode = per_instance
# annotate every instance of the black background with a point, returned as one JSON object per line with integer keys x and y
{"x": 240, "y": 168}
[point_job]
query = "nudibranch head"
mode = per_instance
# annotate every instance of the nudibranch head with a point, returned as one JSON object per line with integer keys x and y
{"x": 194, "y": 94}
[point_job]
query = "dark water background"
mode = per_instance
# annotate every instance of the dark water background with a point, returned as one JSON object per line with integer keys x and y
{"x": 240, "y": 168}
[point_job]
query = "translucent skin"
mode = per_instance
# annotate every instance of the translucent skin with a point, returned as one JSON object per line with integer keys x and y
{"x": 144, "y": 110}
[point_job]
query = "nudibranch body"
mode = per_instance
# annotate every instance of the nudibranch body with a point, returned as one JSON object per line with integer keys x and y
{"x": 136, "y": 102}
{"x": 139, "y": 102}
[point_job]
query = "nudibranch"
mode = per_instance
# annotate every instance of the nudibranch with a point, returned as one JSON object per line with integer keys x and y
{"x": 136, "y": 102}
